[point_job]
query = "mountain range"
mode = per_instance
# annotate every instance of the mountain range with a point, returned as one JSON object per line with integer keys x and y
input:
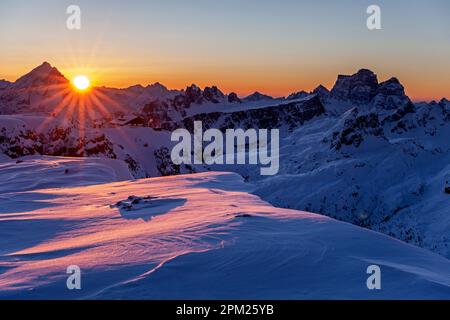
{"x": 362, "y": 152}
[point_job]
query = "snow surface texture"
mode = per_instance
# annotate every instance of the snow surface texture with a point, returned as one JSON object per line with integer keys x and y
{"x": 200, "y": 236}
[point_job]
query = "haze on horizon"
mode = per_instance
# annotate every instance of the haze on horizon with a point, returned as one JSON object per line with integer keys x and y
{"x": 275, "y": 47}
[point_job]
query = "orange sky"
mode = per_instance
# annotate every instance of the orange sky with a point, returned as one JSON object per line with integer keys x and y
{"x": 275, "y": 47}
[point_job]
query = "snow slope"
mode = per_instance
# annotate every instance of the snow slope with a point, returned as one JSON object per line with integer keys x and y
{"x": 189, "y": 237}
{"x": 41, "y": 172}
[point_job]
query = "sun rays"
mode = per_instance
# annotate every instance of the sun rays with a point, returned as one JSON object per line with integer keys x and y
{"x": 81, "y": 83}
{"x": 80, "y": 108}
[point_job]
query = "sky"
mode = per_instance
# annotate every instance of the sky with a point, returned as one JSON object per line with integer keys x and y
{"x": 276, "y": 47}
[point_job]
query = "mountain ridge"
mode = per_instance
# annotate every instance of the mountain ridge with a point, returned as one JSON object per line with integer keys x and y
{"x": 362, "y": 152}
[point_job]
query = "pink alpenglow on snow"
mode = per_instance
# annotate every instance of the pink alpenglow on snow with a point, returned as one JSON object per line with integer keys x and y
{"x": 190, "y": 236}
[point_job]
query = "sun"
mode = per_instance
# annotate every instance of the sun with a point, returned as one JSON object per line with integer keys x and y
{"x": 81, "y": 82}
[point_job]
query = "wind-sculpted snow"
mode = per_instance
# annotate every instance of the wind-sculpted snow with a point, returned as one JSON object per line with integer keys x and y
{"x": 195, "y": 236}
{"x": 37, "y": 172}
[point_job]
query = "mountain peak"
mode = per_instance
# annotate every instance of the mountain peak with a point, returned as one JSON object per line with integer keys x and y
{"x": 45, "y": 64}
{"x": 298, "y": 95}
{"x": 257, "y": 96}
{"x": 213, "y": 94}
{"x": 41, "y": 76}
{"x": 359, "y": 87}
{"x": 4, "y": 84}
{"x": 391, "y": 87}
{"x": 157, "y": 85}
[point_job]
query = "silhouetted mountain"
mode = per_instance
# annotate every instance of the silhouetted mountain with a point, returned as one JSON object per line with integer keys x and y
{"x": 233, "y": 98}
{"x": 321, "y": 91}
{"x": 256, "y": 96}
{"x": 360, "y": 87}
{"x": 4, "y": 84}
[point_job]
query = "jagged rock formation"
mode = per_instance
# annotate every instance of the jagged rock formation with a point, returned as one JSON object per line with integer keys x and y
{"x": 257, "y": 96}
{"x": 286, "y": 115}
{"x": 358, "y": 88}
{"x": 233, "y": 98}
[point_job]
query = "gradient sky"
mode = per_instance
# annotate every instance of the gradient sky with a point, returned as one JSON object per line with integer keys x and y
{"x": 276, "y": 47}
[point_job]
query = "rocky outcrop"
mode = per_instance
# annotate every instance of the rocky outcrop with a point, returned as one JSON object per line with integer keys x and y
{"x": 213, "y": 94}
{"x": 445, "y": 107}
{"x": 193, "y": 94}
{"x": 165, "y": 165}
{"x": 447, "y": 185}
{"x": 287, "y": 115}
{"x": 321, "y": 91}
{"x": 359, "y": 88}
{"x": 56, "y": 142}
{"x": 298, "y": 95}
{"x": 233, "y": 98}
{"x": 257, "y": 96}
{"x": 356, "y": 128}
{"x": 390, "y": 95}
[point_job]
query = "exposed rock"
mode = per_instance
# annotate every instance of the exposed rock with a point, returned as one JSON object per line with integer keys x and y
{"x": 165, "y": 165}
{"x": 288, "y": 115}
{"x": 390, "y": 95}
{"x": 356, "y": 127}
{"x": 256, "y": 96}
{"x": 193, "y": 94}
{"x": 298, "y": 95}
{"x": 321, "y": 91}
{"x": 213, "y": 94}
{"x": 358, "y": 88}
{"x": 4, "y": 84}
{"x": 233, "y": 98}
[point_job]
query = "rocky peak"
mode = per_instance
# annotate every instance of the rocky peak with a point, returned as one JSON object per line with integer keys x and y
{"x": 157, "y": 85}
{"x": 298, "y": 95}
{"x": 41, "y": 76}
{"x": 213, "y": 94}
{"x": 358, "y": 88}
{"x": 445, "y": 107}
{"x": 193, "y": 93}
{"x": 321, "y": 91}
{"x": 157, "y": 90}
{"x": 390, "y": 95}
{"x": 257, "y": 96}
{"x": 233, "y": 98}
{"x": 356, "y": 127}
{"x": 391, "y": 87}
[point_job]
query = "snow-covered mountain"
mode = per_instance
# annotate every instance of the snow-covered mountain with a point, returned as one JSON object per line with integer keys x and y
{"x": 39, "y": 90}
{"x": 362, "y": 152}
{"x": 200, "y": 236}
{"x": 257, "y": 96}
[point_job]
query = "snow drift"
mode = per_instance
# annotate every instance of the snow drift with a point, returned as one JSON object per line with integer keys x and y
{"x": 191, "y": 237}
